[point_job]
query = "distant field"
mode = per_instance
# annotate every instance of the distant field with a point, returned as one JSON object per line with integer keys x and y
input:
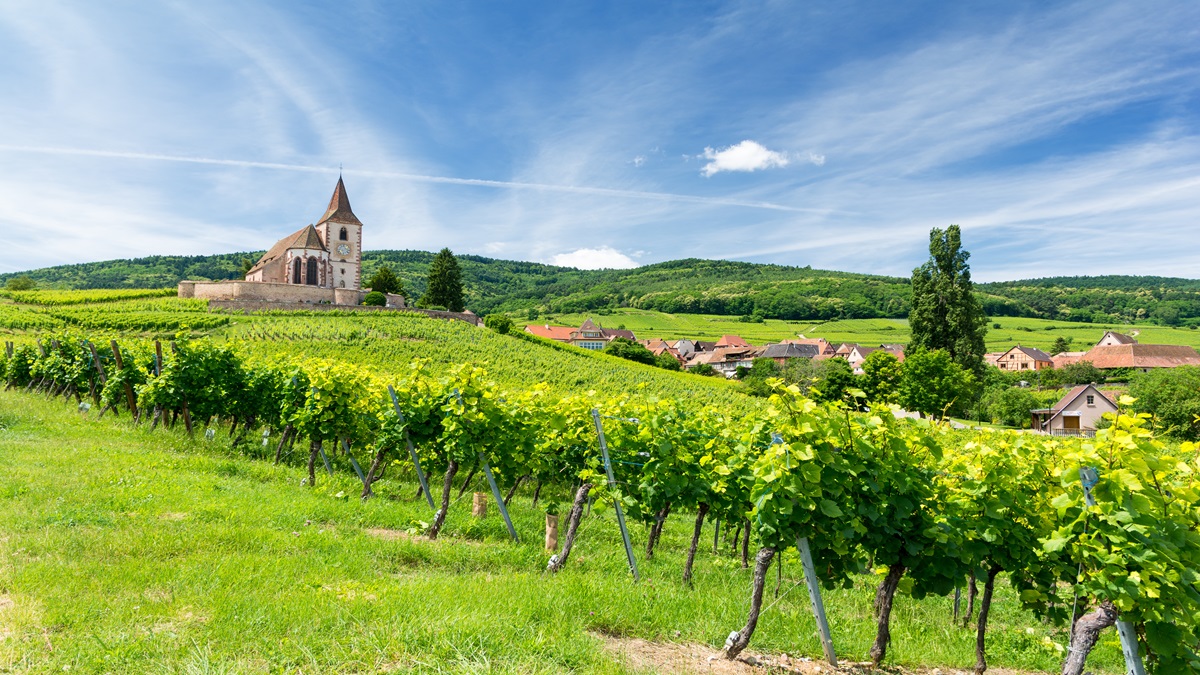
{"x": 1039, "y": 333}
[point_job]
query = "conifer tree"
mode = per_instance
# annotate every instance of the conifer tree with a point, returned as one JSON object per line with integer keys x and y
{"x": 445, "y": 283}
{"x": 945, "y": 313}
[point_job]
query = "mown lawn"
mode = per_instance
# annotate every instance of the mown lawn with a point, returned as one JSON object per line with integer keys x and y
{"x": 1039, "y": 333}
{"x": 126, "y": 551}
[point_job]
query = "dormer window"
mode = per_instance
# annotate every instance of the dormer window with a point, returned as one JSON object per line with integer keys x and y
{"x": 342, "y": 235}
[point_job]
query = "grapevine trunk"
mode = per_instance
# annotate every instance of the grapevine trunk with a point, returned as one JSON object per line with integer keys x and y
{"x": 1086, "y": 634}
{"x": 440, "y": 517}
{"x": 883, "y": 611}
{"x": 762, "y": 562}
{"x": 981, "y": 631}
{"x": 314, "y": 447}
{"x": 572, "y": 526}
{"x": 691, "y": 557}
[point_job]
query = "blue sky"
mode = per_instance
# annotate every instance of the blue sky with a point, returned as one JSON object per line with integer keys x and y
{"x": 1063, "y": 137}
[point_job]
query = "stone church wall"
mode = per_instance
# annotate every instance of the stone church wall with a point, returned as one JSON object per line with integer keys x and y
{"x": 250, "y": 291}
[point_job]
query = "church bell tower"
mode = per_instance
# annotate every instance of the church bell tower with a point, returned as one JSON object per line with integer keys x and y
{"x": 341, "y": 231}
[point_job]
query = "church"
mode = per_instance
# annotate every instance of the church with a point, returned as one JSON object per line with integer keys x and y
{"x": 318, "y": 264}
{"x": 325, "y": 255}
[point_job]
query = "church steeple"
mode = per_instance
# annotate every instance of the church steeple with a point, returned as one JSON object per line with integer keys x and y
{"x": 339, "y": 207}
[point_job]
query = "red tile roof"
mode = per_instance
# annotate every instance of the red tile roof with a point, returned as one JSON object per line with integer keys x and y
{"x": 560, "y": 333}
{"x": 306, "y": 238}
{"x": 732, "y": 341}
{"x": 1142, "y": 356}
{"x": 339, "y": 207}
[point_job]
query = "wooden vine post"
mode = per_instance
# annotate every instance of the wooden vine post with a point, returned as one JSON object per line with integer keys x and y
{"x": 129, "y": 399}
{"x": 616, "y": 502}
{"x": 412, "y": 452}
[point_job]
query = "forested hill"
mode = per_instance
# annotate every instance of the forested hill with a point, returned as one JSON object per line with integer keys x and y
{"x": 690, "y": 286}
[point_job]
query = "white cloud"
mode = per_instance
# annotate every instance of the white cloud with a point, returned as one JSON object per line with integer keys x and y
{"x": 745, "y": 156}
{"x": 604, "y": 257}
{"x": 817, "y": 160}
{"x": 639, "y": 160}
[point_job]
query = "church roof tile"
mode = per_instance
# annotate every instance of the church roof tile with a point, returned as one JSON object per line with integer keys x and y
{"x": 339, "y": 207}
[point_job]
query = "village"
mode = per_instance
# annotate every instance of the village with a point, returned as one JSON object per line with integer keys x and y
{"x": 1078, "y": 412}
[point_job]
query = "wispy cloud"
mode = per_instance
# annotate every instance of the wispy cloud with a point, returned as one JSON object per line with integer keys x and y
{"x": 745, "y": 156}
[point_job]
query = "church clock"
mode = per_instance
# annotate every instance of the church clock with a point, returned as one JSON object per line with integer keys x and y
{"x": 343, "y": 249}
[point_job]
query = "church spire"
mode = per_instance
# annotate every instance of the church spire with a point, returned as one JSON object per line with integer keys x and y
{"x": 339, "y": 207}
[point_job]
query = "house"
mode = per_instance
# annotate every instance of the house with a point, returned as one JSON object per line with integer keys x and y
{"x": 1076, "y": 414}
{"x": 726, "y": 360}
{"x": 858, "y": 353}
{"x": 1111, "y": 339}
{"x": 556, "y": 333}
{"x": 824, "y": 349}
{"x": 783, "y": 352}
{"x": 587, "y": 336}
{"x": 1141, "y": 357}
{"x": 1064, "y": 359}
{"x": 659, "y": 347}
{"x": 1024, "y": 358}
{"x": 684, "y": 347}
{"x": 732, "y": 341}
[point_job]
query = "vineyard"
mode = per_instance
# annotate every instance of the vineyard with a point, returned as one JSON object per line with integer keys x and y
{"x": 1088, "y": 534}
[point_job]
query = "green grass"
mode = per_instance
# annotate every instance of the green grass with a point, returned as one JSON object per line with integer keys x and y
{"x": 1039, "y": 333}
{"x": 123, "y": 550}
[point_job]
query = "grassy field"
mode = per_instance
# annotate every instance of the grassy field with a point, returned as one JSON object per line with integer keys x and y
{"x": 1039, "y": 333}
{"x": 127, "y": 551}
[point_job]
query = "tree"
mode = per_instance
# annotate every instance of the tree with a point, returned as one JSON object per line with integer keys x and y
{"x": 933, "y": 384}
{"x": 703, "y": 369}
{"x": 836, "y": 379}
{"x": 21, "y": 283}
{"x": 1008, "y": 406}
{"x": 945, "y": 313}
{"x": 666, "y": 361}
{"x": 445, "y": 283}
{"x": 881, "y": 376}
{"x": 1061, "y": 344}
{"x": 1172, "y": 397}
{"x": 501, "y": 323}
{"x": 386, "y": 281}
{"x": 247, "y": 265}
{"x": 630, "y": 350}
{"x": 1082, "y": 372}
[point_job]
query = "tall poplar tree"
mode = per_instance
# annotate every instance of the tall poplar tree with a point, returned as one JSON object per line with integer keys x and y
{"x": 945, "y": 313}
{"x": 445, "y": 283}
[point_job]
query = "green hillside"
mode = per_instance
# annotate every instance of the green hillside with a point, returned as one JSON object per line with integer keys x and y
{"x": 692, "y": 286}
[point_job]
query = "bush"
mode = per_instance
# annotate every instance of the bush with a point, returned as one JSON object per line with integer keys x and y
{"x": 21, "y": 283}
{"x": 375, "y": 298}
{"x": 501, "y": 323}
{"x": 1009, "y": 406}
{"x": 703, "y": 369}
{"x": 630, "y": 350}
{"x": 667, "y": 362}
{"x": 1172, "y": 397}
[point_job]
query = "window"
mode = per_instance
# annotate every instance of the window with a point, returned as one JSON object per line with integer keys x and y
{"x": 312, "y": 272}
{"x": 342, "y": 235}
{"x": 296, "y": 273}
{"x": 1091, "y": 399}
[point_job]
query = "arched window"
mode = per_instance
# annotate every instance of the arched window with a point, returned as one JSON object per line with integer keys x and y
{"x": 312, "y": 272}
{"x": 342, "y": 235}
{"x": 297, "y": 275}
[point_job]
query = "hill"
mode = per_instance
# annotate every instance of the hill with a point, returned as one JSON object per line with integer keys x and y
{"x": 693, "y": 286}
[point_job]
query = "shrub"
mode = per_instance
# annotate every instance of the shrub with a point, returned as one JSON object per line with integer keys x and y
{"x": 666, "y": 361}
{"x": 630, "y": 350}
{"x": 21, "y": 283}
{"x": 501, "y": 323}
{"x": 375, "y": 298}
{"x": 703, "y": 369}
